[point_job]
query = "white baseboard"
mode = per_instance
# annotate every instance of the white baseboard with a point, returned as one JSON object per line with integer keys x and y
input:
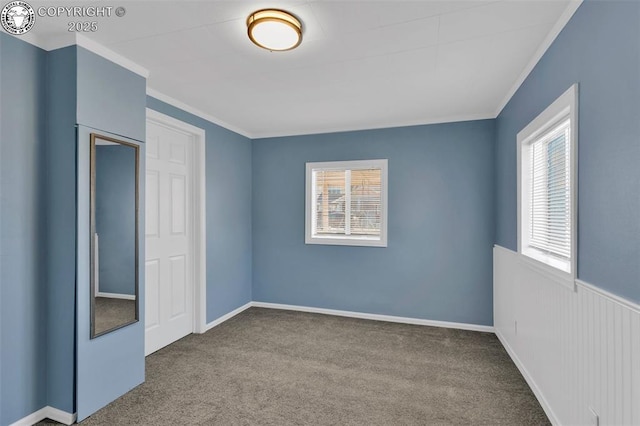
{"x": 47, "y": 413}
{"x": 228, "y": 316}
{"x": 32, "y": 418}
{"x": 376, "y": 317}
{"x": 116, "y": 296}
{"x": 351, "y": 314}
{"x": 529, "y": 379}
{"x": 60, "y": 416}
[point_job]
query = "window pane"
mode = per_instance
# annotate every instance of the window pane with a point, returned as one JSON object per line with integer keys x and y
{"x": 365, "y": 202}
{"x": 330, "y": 201}
{"x": 551, "y": 193}
{"x": 344, "y": 203}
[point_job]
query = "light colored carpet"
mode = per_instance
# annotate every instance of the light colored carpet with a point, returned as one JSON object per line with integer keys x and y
{"x": 112, "y": 313}
{"x": 271, "y": 367}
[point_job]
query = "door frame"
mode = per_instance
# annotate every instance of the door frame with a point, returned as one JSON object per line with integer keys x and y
{"x": 199, "y": 229}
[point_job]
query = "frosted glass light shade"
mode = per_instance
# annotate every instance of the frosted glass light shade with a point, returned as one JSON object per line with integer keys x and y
{"x": 274, "y": 29}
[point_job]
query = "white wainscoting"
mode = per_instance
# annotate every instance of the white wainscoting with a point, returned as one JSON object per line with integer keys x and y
{"x": 578, "y": 349}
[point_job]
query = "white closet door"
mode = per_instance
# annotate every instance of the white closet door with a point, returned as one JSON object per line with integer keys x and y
{"x": 169, "y": 265}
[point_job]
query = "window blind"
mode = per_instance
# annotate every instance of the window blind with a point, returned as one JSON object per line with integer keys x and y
{"x": 347, "y": 202}
{"x": 365, "y": 202}
{"x": 550, "y": 229}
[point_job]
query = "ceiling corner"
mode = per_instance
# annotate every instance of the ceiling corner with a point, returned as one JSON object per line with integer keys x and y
{"x": 564, "y": 19}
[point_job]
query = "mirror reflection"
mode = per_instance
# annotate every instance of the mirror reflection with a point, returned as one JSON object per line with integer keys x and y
{"x": 114, "y": 228}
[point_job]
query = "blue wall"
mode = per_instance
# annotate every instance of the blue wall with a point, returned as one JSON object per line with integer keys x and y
{"x": 116, "y": 217}
{"x": 112, "y": 364}
{"x": 110, "y": 99}
{"x": 109, "y": 96}
{"x": 599, "y": 49}
{"x": 228, "y": 183}
{"x": 60, "y": 154}
{"x": 438, "y": 263}
{"x": 22, "y": 229}
{"x": 76, "y": 77}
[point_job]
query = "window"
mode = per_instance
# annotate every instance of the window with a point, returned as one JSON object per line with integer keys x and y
{"x": 346, "y": 203}
{"x": 547, "y": 185}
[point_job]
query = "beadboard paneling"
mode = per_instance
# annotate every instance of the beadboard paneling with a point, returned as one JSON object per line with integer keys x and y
{"x": 579, "y": 350}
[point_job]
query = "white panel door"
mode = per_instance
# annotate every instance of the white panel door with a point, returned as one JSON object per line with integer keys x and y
{"x": 169, "y": 222}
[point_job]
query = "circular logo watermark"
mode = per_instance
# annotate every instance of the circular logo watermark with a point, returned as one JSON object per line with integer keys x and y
{"x": 17, "y": 17}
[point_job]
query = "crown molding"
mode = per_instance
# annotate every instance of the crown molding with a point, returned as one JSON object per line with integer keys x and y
{"x": 49, "y": 43}
{"x": 70, "y": 39}
{"x": 52, "y": 43}
{"x": 112, "y": 56}
{"x": 198, "y": 113}
{"x": 408, "y": 123}
{"x": 542, "y": 49}
{"x": 265, "y": 135}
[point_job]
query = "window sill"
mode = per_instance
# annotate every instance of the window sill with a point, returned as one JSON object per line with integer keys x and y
{"x": 554, "y": 274}
{"x": 341, "y": 240}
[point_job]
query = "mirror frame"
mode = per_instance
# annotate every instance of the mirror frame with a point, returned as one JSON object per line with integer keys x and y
{"x": 92, "y": 221}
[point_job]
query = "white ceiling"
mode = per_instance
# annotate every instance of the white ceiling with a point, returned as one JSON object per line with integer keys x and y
{"x": 361, "y": 64}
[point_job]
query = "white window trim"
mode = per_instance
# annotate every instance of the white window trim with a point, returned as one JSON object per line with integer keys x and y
{"x": 347, "y": 240}
{"x": 566, "y": 103}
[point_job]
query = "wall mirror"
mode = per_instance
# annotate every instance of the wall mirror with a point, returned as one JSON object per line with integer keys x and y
{"x": 114, "y": 234}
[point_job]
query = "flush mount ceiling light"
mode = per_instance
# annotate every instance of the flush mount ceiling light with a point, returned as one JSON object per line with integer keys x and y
{"x": 274, "y": 29}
